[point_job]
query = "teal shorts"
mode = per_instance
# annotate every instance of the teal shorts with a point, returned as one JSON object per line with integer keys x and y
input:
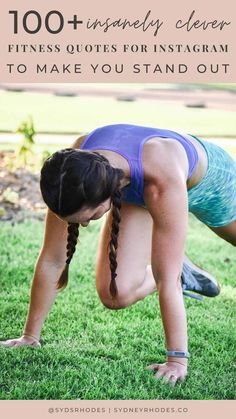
{"x": 213, "y": 200}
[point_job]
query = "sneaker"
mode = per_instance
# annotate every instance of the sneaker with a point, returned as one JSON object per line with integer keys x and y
{"x": 198, "y": 280}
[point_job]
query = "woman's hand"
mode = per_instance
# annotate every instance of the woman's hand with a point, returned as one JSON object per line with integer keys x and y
{"x": 22, "y": 341}
{"x": 170, "y": 371}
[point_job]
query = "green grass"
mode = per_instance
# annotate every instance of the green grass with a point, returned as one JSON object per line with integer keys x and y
{"x": 90, "y": 352}
{"x": 82, "y": 114}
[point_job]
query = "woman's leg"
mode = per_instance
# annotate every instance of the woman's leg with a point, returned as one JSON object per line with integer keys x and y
{"x": 227, "y": 232}
{"x": 134, "y": 275}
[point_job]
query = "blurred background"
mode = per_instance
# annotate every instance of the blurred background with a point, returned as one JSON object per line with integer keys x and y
{"x": 37, "y": 119}
{"x": 90, "y": 352}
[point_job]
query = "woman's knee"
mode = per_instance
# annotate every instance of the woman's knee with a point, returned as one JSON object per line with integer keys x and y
{"x": 123, "y": 298}
{"x": 113, "y": 303}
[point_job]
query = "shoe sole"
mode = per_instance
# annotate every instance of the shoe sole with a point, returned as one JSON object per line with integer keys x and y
{"x": 192, "y": 295}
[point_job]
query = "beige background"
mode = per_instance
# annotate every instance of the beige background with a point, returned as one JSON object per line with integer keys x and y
{"x": 39, "y": 409}
{"x": 167, "y": 10}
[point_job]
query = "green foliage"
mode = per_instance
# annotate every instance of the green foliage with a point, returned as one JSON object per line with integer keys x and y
{"x": 44, "y": 155}
{"x": 2, "y": 212}
{"x": 26, "y": 147}
{"x": 10, "y": 196}
{"x": 10, "y": 164}
{"x": 91, "y": 353}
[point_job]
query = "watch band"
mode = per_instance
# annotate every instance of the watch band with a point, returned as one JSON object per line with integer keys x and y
{"x": 178, "y": 354}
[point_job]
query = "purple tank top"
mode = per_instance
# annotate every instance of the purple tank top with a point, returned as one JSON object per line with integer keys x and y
{"x": 128, "y": 140}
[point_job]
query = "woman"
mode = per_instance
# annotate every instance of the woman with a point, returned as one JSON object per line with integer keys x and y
{"x": 147, "y": 179}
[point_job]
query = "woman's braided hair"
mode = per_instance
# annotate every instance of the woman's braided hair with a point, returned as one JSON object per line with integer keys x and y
{"x": 72, "y": 179}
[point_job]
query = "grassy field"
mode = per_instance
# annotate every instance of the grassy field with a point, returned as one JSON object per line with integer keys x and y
{"x": 81, "y": 114}
{"x": 90, "y": 352}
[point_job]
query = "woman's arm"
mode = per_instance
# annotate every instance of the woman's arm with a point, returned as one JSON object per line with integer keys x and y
{"x": 49, "y": 265}
{"x": 48, "y": 268}
{"x": 42, "y": 295}
{"x": 167, "y": 202}
{"x": 169, "y": 213}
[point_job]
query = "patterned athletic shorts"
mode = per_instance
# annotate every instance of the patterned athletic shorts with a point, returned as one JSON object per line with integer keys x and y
{"x": 213, "y": 200}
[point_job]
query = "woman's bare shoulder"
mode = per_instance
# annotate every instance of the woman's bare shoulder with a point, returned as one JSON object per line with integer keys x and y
{"x": 162, "y": 159}
{"x": 165, "y": 168}
{"x": 77, "y": 143}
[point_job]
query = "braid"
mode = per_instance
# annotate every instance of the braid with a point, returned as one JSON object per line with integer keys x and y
{"x": 73, "y": 233}
{"x": 113, "y": 244}
{"x": 72, "y": 238}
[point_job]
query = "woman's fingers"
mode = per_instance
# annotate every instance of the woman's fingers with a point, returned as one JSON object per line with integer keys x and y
{"x": 182, "y": 377}
{"x": 169, "y": 373}
{"x": 20, "y": 342}
{"x": 171, "y": 378}
{"x": 8, "y": 343}
{"x": 152, "y": 367}
{"x": 36, "y": 344}
{"x": 160, "y": 373}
